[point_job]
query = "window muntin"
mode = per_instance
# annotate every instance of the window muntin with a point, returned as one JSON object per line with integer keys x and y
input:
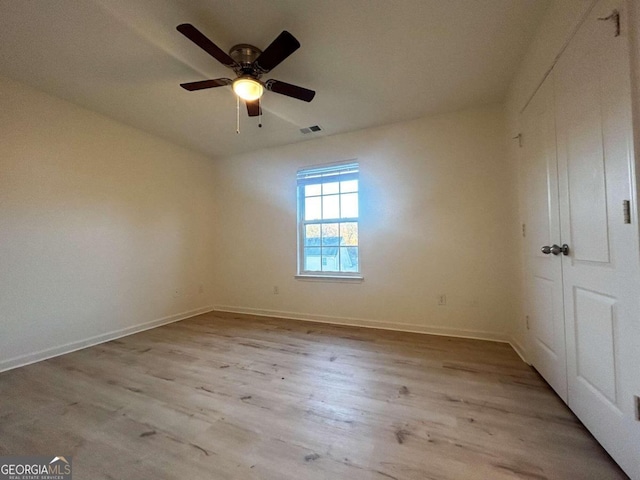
{"x": 328, "y": 220}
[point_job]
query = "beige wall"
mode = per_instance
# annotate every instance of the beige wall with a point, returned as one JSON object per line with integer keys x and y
{"x": 437, "y": 206}
{"x": 103, "y": 229}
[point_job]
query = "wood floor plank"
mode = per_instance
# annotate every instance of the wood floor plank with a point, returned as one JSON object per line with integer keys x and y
{"x": 238, "y": 397}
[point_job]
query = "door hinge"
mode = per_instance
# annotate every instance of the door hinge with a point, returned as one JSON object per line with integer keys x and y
{"x": 615, "y": 16}
{"x": 626, "y": 211}
{"x": 524, "y": 230}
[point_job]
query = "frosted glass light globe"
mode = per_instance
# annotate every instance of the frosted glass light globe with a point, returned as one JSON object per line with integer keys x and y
{"x": 248, "y": 88}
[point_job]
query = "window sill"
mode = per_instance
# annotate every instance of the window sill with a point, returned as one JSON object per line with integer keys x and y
{"x": 330, "y": 278}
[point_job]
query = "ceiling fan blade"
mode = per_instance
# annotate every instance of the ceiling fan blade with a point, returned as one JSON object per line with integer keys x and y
{"x": 253, "y": 108}
{"x": 196, "y": 36}
{"x": 283, "y": 46}
{"x": 201, "y": 85}
{"x": 289, "y": 90}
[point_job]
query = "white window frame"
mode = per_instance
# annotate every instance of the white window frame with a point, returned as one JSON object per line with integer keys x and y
{"x": 315, "y": 175}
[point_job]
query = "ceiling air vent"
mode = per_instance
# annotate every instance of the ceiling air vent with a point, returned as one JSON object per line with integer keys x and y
{"x": 312, "y": 129}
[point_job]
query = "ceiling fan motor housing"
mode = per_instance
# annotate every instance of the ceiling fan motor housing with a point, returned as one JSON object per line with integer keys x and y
{"x": 244, "y": 55}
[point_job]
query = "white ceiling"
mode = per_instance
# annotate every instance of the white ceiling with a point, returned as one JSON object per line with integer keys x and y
{"x": 372, "y": 62}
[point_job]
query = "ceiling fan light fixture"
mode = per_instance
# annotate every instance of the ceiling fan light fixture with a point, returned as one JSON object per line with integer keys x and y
{"x": 248, "y": 88}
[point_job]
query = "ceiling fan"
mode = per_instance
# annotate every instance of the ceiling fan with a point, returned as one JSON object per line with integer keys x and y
{"x": 249, "y": 64}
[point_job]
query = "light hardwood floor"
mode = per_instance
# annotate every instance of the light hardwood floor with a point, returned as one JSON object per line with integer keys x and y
{"x": 215, "y": 397}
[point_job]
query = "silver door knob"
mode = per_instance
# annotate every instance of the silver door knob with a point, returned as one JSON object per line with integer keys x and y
{"x": 555, "y": 249}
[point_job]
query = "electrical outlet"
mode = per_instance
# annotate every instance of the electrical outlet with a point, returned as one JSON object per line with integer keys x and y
{"x": 442, "y": 299}
{"x": 527, "y": 319}
{"x": 276, "y": 290}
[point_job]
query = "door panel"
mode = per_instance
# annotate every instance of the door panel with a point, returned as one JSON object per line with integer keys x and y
{"x": 544, "y": 272}
{"x": 594, "y": 322}
{"x": 544, "y": 326}
{"x": 600, "y": 276}
{"x": 588, "y": 208}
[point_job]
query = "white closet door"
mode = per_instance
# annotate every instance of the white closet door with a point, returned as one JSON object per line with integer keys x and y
{"x": 601, "y": 288}
{"x": 542, "y": 226}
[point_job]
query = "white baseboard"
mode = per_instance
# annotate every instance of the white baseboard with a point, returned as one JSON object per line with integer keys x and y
{"x": 34, "y": 357}
{"x": 520, "y": 350}
{"x": 361, "y": 322}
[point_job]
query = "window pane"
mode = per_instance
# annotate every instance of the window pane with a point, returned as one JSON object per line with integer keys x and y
{"x": 331, "y": 206}
{"x": 310, "y": 190}
{"x": 349, "y": 186}
{"x": 349, "y": 205}
{"x": 330, "y": 259}
{"x": 333, "y": 187}
{"x": 311, "y": 235}
{"x": 312, "y": 259}
{"x": 330, "y": 234}
{"x": 349, "y": 233}
{"x": 312, "y": 209}
{"x": 349, "y": 259}
{"x": 329, "y": 214}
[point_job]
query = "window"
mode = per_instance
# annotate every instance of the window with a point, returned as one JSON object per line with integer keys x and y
{"x": 328, "y": 220}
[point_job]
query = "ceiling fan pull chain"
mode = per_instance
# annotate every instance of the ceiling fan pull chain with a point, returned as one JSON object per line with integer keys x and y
{"x": 237, "y": 114}
{"x": 260, "y": 114}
